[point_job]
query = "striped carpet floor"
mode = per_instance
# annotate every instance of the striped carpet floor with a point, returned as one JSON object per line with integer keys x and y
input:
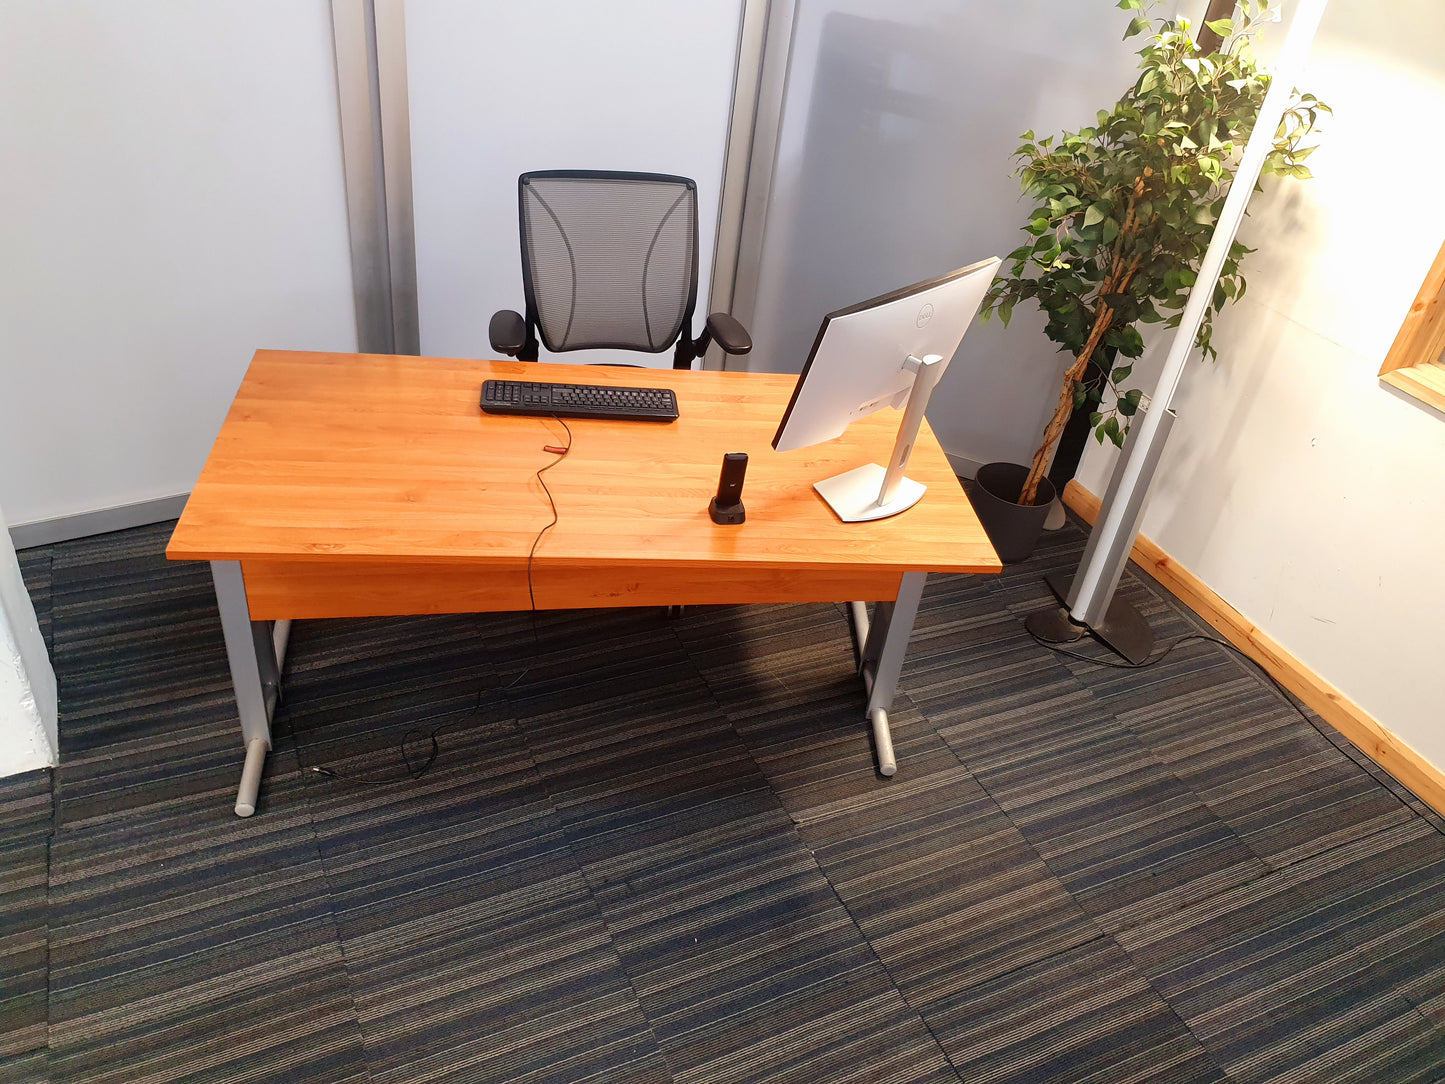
{"x": 656, "y": 850}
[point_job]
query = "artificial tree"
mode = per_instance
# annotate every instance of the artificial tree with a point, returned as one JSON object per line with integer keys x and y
{"x": 1126, "y": 208}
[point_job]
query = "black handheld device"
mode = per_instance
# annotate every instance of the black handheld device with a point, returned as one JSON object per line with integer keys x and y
{"x": 727, "y": 506}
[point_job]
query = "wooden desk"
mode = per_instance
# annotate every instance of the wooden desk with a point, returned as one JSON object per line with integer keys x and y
{"x": 345, "y": 485}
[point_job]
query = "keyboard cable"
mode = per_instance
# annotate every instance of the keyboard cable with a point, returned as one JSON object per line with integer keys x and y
{"x": 416, "y": 771}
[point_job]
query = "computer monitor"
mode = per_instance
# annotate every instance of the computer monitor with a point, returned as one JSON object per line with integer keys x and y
{"x": 889, "y": 351}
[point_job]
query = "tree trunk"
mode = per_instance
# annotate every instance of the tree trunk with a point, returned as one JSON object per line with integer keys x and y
{"x": 1207, "y": 40}
{"x": 1070, "y": 428}
{"x": 1103, "y": 318}
{"x": 1077, "y": 429}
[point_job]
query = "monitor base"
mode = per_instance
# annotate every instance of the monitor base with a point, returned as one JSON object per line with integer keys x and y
{"x": 853, "y": 496}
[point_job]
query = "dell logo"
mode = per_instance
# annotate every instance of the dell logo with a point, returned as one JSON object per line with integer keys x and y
{"x": 925, "y": 314}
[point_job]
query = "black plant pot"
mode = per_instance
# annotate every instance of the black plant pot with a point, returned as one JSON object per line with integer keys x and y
{"x": 1013, "y": 528}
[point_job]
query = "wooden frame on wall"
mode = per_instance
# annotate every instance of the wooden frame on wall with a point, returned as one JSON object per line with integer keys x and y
{"x": 1414, "y": 364}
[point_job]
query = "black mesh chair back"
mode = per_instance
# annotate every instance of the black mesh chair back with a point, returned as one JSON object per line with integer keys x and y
{"x": 608, "y": 259}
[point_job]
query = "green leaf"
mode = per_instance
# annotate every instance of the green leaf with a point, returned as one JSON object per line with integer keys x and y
{"x": 1121, "y": 373}
{"x": 1136, "y": 26}
{"x": 1080, "y": 395}
{"x": 1110, "y": 231}
{"x": 1222, "y": 27}
{"x": 1128, "y": 404}
{"x": 1130, "y": 5}
{"x": 1038, "y": 226}
{"x": 1113, "y": 432}
{"x": 1095, "y": 214}
{"x": 1095, "y": 418}
{"x": 1006, "y": 310}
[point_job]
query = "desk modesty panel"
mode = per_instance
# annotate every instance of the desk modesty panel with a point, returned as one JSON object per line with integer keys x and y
{"x": 368, "y": 485}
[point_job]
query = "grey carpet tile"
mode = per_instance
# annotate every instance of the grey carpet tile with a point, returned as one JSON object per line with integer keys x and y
{"x": 1280, "y": 985}
{"x": 1320, "y": 1034}
{"x": 1427, "y": 993}
{"x": 1082, "y": 1015}
{"x": 947, "y": 891}
{"x": 744, "y": 962}
{"x": 977, "y": 672}
{"x": 189, "y": 944}
{"x": 559, "y": 659}
{"x": 471, "y": 936}
{"x": 785, "y": 678}
{"x": 1382, "y": 894}
{"x": 641, "y": 767}
{"x": 29, "y": 1068}
{"x": 1382, "y": 777}
{"x": 133, "y": 637}
{"x": 504, "y": 973}
{"x": 199, "y": 755}
{"x": 754, "y": 656}
{"x": 655, "y": 849}
{"x": 818, "y": 752}
{"x": 473, "y": 947}
{"x": 748, "y": 967}
{"x": 1282, "y": 787}
{"x": 1119, "y": 830}
{"x": 25, "y": 815}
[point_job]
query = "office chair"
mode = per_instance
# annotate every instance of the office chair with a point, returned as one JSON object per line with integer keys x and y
{"x": 610, "y": 260}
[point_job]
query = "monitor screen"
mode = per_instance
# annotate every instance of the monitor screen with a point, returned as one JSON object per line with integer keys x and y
{"x": 857, "y": 364}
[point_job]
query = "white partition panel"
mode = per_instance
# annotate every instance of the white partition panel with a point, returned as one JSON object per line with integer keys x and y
{"x": 171, "y": 199}
{"x": 893, "y": 165}
{"x": 29, "y": 736}
{"x": 498, "y": 89}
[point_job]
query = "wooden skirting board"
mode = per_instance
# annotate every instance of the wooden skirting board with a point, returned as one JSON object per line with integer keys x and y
{"x": 1342, "y": 713}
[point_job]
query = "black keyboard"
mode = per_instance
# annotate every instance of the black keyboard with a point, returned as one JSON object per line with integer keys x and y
{"x": 578, "y": 401}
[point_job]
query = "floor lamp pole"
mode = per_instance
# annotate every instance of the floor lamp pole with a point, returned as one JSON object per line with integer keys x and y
{"x": 1088, "y": 600}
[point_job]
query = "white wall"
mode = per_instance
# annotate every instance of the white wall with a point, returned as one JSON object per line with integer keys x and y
{"x": 171, "y": 199}
{"x": 28, "y": 735}
{"x": 498, "y": 88}
{"x": 1301, "y": 490}
{"x": 894, "y": 165}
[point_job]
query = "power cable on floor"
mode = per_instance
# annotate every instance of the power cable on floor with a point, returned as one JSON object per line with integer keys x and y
{"x": 1154, "y": 660}
{"x": 415, "y": 771}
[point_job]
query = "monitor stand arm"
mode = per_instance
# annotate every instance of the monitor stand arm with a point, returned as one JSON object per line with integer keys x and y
{"x": 870, "y": 491}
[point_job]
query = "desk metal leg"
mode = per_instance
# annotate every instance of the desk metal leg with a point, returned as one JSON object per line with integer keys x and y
{"x": 256, "y": 651}
{"x": 881, "y": 644}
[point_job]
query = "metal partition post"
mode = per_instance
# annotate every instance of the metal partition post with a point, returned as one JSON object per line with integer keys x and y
{"x": 765, "y": 126}
{"x": 370, "y": 42}
{"x": 1089, "y": 602}
{"x": 1088, "y": 598}
{"x": 737, "y": 163}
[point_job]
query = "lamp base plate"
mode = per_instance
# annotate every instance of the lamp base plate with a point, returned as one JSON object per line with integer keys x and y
{"x": 1124, "y": 629}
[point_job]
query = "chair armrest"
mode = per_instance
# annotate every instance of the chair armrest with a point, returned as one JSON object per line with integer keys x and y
{"x": 508, "y": 332}
{"x": 727, "y": 333}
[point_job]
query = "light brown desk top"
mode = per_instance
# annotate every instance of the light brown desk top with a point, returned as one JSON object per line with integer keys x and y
{"x": 388, "y": 460}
